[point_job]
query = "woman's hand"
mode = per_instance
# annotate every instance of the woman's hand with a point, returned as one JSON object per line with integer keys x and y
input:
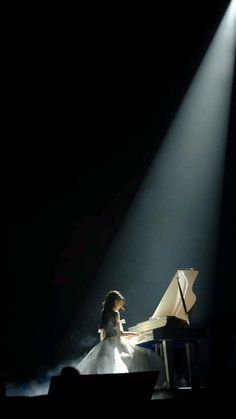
{"x": 132, "y": 335}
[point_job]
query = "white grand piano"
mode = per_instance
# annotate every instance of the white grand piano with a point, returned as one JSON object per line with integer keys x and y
{"x": 170, "y": 321}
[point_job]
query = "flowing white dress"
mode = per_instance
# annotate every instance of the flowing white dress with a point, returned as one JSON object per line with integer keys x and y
{"x": 114, "y": 354}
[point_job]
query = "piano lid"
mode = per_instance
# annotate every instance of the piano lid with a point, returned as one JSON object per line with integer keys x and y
{"x": 171, "y": 303}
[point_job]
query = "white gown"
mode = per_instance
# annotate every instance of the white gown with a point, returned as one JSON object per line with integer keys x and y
{"x": 114, "y": 354}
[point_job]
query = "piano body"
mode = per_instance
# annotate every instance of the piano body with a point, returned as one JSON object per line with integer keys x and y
{"x": 170, "y": 322}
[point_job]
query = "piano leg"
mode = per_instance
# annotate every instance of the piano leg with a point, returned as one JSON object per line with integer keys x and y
{"x": 192, "y": 359}
{"x": 189, "y": 358}
{"x": 168, "y": 355}
{"x": 193, "y": 363}
{"x": 167, "y": 350}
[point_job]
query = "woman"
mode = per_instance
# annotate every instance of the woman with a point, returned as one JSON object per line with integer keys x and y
{"x": 114, "y": 354}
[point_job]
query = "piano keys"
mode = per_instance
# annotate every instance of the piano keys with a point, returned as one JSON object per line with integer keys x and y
{"x": 147, "y": 330}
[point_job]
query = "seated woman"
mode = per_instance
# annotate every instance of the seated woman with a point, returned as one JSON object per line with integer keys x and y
{"x": 114, "y": 354}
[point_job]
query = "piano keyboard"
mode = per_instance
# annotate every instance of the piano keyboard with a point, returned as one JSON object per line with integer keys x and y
{"x": 148, "y": 325}
{"x": 142, "y": 337}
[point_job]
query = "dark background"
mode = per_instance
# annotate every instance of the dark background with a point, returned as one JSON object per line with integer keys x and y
{"x": 88, "y": 100}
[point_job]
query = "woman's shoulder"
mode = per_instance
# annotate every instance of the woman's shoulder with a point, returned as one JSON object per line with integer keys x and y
{"x": 114, "y": 314}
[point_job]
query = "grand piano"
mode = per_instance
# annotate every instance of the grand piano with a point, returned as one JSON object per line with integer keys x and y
{"x": 170, "y": 323}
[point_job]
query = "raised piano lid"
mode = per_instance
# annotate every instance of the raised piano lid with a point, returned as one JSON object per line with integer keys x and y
{"x": 171, "y": 303}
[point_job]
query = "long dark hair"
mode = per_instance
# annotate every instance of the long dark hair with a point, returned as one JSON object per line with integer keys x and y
{"x": 109, "y": 303}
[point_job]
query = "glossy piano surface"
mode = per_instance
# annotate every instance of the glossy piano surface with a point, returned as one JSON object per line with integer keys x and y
{"x": 165, "y": 328}
{"x": 172, "y": 312}
{"x": 171, "y": 303}
{"x": 170, "y": 323}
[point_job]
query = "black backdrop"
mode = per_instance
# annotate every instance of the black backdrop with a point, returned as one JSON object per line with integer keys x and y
{"x": 88, "y": 99}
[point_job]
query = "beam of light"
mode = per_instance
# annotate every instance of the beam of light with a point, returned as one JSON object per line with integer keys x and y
{"x": 174, "y": 220}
